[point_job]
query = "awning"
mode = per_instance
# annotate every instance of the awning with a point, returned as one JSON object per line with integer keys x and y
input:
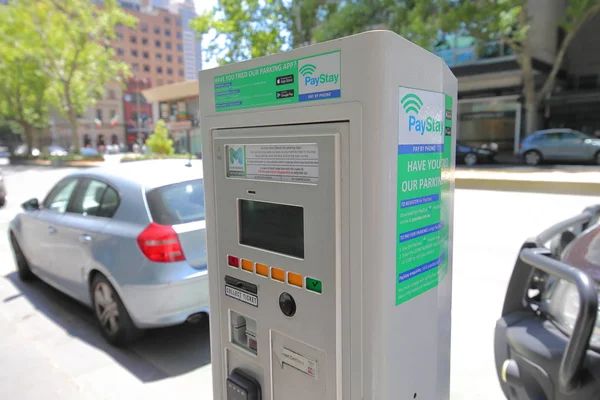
{"x": 174, "y": 91}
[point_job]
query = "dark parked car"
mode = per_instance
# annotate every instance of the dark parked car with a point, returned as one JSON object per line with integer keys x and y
{"x": 547, "y": 343}
{"x": 475, "y": 155}
{"x": 2, "y": 190}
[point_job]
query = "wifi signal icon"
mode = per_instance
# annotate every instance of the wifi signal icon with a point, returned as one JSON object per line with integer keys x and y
{"x": 307, "y": 69}
{"x": 411, "y": 103}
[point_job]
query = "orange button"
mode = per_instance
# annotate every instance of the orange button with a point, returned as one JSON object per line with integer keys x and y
{"x": 295, "y": 279}
{"x": 262, "y": 269}
{"x": 248, "y": 265}
{"x": 278, "y": 274}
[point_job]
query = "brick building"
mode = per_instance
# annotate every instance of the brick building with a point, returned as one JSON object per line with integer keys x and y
{"x": 154, "y": 49}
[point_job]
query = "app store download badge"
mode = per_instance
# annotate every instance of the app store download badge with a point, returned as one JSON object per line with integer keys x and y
{"x": 320, "y": 77}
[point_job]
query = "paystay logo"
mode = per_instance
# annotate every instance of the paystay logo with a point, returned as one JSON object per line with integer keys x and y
{"x": 312, "y": 79}
{"x": 319, "y": 77}
{"x": 412, "y": 105}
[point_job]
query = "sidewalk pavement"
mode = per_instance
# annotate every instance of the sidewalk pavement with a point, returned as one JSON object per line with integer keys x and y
{"x": 567, "y": 179}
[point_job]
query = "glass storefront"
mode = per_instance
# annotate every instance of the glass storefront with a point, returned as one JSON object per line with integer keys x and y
{"x": 488, "y": 121}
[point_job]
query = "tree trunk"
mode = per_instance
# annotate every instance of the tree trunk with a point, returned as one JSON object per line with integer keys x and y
{"x": 74, "y": 133}
{"x": 29, "y": 135}
{"x": 531, "y": 117}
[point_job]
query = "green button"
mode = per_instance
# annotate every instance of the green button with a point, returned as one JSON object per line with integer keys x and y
{"x": 314, "y": 285}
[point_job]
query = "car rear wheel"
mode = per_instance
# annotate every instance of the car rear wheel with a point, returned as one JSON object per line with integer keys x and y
{"x": 533, "y": 157}
{"x": 597, "y": 158}
{"x": 2, "y": 201}
{"x": 470, "y": 159}
{"x": 23, "y": 269}
{"x": 115, "y": 323}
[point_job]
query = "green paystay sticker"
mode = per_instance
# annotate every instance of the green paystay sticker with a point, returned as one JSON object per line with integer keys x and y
{"x": 311, "y": 78}
{"x": 424, "y": 148}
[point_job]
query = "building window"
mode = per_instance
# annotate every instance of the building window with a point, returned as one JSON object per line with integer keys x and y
{"x": 178, "y": 21}
{"x": 144, "y": 27}
{"x": 180, "y": 47}
{"x": 133, "y": 39}
{"x": 119, "y": 36}
{"x": 168, "y": 45}
{"x": 157, "y": 30}
{"x": 157, "y": 43}
{"x": 159, "y": 82}
{"x": 169, "y": 58}
{"x": 167, "y": 20}
{"x": 146, "y": 68}
{"x": 144, "y": 41}
{"x": 169, "y": 82}
{"x": 167, "y": 32}
{"x": 169, "y": 71}
{"x": 159, "y": 70}
{"x": 134, "y": 53}
{"x": 145, "y": 54}
{"x": 99, "y": 114}
{"x": 111, "y": 94}
{"x": 120, "y": 52}
{"x": 158, "y": 56}
{"x": 181, "y": 72}
{"x": 134, "y": 66}
{"x": 179, "y": 35}
{"x": 180, "y": 59}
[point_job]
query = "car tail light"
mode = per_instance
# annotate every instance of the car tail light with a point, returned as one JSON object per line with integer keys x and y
{"x": 160, "y": 243}
{"x": 521, "y": 145}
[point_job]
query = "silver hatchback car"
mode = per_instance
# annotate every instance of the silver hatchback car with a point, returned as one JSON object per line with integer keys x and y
{"x": 559, "y": 145}
{"x": 126, "y": 240}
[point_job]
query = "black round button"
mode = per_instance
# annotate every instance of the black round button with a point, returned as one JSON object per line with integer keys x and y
{"x": 287, "y": 304}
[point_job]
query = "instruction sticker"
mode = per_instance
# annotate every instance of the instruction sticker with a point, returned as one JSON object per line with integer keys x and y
{"x": 424, "y": 142}
{"x": 297, "y": 163}
{"x": 316, "y": 77}
{"x": 299, "y": 362}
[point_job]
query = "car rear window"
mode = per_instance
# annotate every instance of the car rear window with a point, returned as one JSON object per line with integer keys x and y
{"x": 178, "y": 203}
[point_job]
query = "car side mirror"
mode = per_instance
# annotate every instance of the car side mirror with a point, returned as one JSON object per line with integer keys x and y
{"x": 31, "y": 205}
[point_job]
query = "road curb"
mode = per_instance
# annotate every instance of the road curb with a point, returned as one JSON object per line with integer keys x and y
{"x": 518, "y": 184}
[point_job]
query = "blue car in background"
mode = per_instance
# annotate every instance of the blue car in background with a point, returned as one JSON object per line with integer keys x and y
{"x": 559, "y": 145}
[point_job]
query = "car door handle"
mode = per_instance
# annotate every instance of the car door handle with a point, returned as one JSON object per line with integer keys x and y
{"x": 51, "y": 230}
{"x": 85, "y": 238}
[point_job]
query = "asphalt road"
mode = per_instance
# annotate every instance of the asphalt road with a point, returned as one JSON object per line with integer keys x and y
{"x": 50, "y": 347}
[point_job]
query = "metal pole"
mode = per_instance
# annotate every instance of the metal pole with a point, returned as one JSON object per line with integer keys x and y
{"x": 139, "y": 115}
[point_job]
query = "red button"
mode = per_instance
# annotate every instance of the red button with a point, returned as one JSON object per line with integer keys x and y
{"x": 233, "y": 261}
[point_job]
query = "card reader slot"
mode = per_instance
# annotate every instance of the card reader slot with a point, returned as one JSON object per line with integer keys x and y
{"x": 240, "y": 284}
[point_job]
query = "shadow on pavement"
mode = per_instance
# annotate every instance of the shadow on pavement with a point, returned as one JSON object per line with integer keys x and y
{"x": 160, "y": 354}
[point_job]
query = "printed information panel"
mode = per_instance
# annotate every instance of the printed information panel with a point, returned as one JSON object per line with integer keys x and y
{"x": 297, "y": 163}
{"x": 421, "y": 225}
{"x": 311, "y": 78}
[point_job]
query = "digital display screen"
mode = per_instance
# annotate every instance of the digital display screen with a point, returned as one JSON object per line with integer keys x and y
{"x": 274, "y": 227}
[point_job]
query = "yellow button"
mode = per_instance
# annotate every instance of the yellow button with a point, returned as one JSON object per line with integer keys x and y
{"x": 295, "y": 279}
{"x": 278, "y": 274}
{"x": 262, "y": 269}
{"x": 248, "y": 265}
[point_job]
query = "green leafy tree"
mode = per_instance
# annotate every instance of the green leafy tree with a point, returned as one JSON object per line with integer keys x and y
{"x": 77, "y": 58}
{"x": 509, "y": 20}
{"x": 23, "y": 86}
{"x": 245, "y": 29}
{"x": 159, "y": 142}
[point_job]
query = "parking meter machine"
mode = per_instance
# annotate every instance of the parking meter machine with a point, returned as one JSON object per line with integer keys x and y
{"x": 329, "y": 208}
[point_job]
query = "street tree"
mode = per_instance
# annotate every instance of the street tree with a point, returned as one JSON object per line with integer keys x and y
{"x": 159, "y": 142}
{"x": 245, "y": 29}
{"x": 509, "y": 20}
{"x": 77, "y": 56}
{"x": 23, "y": 86}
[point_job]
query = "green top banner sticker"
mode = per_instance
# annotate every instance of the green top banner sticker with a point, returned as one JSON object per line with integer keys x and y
{"x": 305, "y": 79}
